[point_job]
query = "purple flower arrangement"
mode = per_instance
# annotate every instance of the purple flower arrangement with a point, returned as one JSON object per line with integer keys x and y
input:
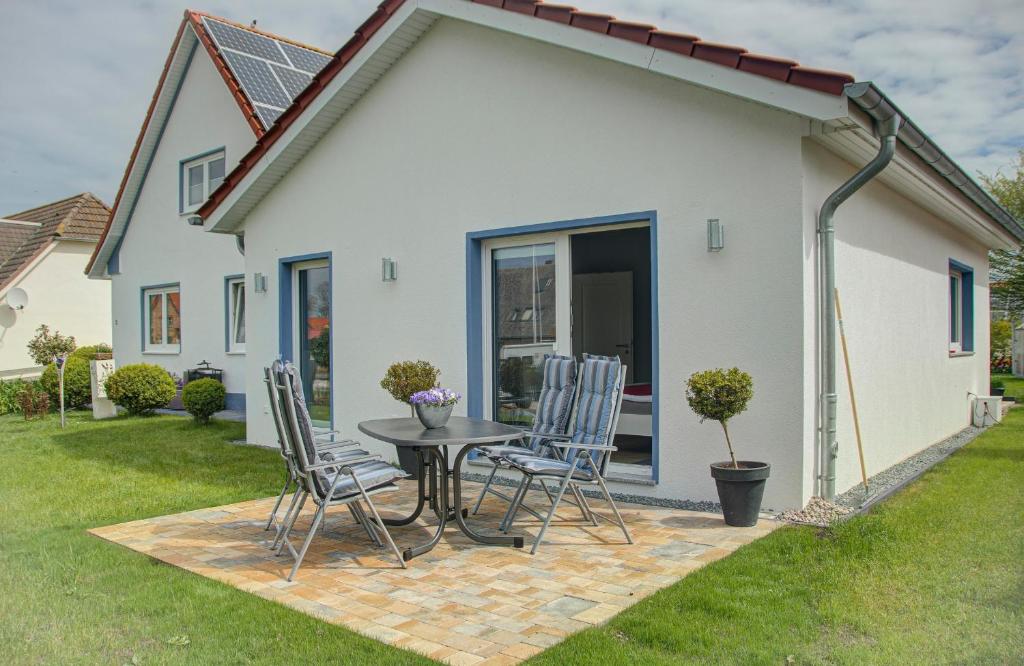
{"x": 436, "y": 397}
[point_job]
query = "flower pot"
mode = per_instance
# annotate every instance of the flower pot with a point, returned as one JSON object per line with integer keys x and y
{"x": 999, "y": 391}
{"x": 740, "y": 490}
{"x": 433, "y": 417}
{"x": 175, "y": 402}
{"x": 409, "y": 463}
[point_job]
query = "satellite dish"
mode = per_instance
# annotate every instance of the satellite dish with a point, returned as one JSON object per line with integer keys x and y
{"x": 17, "y": 299}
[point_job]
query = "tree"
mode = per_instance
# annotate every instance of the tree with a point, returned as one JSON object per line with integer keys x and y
{"x": 1007, "y": 266}
{"x": 46, "y": 345}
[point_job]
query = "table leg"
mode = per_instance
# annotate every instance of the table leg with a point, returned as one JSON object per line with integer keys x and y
{"x": 441, "y": 498}
{"x": 460, "y": 513}
{"x": 421, "y": 495}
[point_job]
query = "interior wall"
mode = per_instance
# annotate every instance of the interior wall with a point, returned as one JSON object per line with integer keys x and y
{"x": 623, "y": 250}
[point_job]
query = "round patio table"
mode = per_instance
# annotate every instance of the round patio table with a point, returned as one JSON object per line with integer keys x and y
{"x": 431, "y": 448}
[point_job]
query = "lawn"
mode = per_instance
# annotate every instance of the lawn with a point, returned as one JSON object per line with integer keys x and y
{"x": 934, "y": 575}
{"x": 1014, "y": 385}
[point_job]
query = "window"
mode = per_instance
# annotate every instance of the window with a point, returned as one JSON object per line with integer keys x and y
{"x": 162, "y": 320}
{"x": 199, "y": 177}
{"x": 236, "y": 314}
{"x": 961, "y": 308}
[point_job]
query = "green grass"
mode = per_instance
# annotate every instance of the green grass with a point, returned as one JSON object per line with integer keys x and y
{"x": 68, "y": 597}
{"x": 934, "y": 575}
{"x": 1014, "y": 385}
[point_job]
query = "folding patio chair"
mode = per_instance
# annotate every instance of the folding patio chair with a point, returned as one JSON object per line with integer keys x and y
{"x": 554, "y": 408}
{"x": 325, "y": 450}
{"x": 350, "y": 480}
{"x": 597, "y": 414}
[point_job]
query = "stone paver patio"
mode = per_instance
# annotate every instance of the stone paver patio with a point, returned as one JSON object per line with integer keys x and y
{"x": 462, "y": 603}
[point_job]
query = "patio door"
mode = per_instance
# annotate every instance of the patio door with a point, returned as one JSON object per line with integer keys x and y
{"x": 528, "y": 319}
{"x": 311, "y": 284}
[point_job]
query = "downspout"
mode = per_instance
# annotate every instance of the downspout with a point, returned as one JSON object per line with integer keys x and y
{"x": 887, "y": 125}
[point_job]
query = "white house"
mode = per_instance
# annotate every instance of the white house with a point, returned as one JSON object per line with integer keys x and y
{"x": 178, "y": 293}
{"x": 476, "y": 147}
{"x": 43, "y": 252}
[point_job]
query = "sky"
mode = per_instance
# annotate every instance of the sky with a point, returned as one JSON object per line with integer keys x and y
{"x": 76, "y": 77}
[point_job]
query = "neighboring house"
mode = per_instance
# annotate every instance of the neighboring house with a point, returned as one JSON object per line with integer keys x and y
{"x": 43, "y": 252}
{"x": 178, "y": 293}
{"x": 480, "y": 146}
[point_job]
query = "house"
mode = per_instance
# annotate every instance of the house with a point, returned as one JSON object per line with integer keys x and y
{"x": 453, "y": 150}
{"x": 178, "y": 293}
{"x": 42, "y": 253}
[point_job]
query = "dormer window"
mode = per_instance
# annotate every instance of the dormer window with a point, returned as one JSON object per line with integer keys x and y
{"x": 199, "y": 177}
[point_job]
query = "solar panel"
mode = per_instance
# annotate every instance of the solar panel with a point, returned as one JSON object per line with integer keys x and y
{"x": 267, "y": 114}
{"x": 304, "y": 59}
{"x": 245, "y": 41}
{"x": 294, "y": 82}
{"x": 257, "y": 80}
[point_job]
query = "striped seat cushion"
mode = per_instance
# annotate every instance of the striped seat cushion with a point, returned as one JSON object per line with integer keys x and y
{"x": 554, "y": 403}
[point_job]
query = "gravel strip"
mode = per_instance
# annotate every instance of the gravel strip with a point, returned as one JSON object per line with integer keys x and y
{"x": 888, "y": 481}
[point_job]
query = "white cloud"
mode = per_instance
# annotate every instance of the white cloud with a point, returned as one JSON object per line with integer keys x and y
{"x": 77, "y": 77}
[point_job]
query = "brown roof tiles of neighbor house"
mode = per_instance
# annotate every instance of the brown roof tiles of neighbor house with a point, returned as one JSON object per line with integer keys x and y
{"x": 24, "y": 235}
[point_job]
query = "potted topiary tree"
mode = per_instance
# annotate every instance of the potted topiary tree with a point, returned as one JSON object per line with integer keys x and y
{"x": 402, "y": 381}
{"x": 719, "y": 395}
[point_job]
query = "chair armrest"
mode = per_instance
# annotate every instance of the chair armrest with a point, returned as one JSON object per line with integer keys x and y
{"x": 329, "y": 433}
{"x": 588, "y": 447}
{"x": 341, "y": 464}
{"x": 546, "y": 435}
{"x": 330, "y": 446}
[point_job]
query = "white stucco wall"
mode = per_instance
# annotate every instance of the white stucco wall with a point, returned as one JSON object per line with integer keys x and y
{"x": 60, "y": 296}
{"x": 476, "y": 130}
{"x": 892, "y": 261}
{"x": 160, "y": 247}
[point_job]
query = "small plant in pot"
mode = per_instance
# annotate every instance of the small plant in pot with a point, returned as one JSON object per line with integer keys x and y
{"x": 402, "y": 380}
{"x": 997, "y": 387}
{"x": 719, "y": 395}
{"x": 434, "y": 406}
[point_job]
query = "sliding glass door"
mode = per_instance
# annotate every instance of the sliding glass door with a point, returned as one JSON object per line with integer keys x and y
{"x": 312, "y": 295}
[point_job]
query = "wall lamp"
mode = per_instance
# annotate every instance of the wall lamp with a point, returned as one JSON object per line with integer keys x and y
{"x": 716, "y": 236}
{"x": 388, "y": 269}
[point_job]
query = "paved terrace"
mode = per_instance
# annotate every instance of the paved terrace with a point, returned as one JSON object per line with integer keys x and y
{"x": 462, "y": 603}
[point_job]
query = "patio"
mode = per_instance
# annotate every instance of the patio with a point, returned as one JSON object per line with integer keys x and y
{"x": 462, "y": 603}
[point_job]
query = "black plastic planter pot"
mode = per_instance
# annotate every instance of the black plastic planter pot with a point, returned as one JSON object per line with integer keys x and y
{"x": 997, "y": 391}
{"x": 408, "y": 461}
{"x": 740, "y": 490}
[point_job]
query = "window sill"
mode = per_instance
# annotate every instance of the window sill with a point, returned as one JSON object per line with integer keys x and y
{"x": 235, "y": 352}
{"x": 956, "y": 354}
{"x": 153, "y": 352}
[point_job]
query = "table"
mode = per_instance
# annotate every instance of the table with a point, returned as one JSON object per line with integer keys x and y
{"x": 431, "y": 448}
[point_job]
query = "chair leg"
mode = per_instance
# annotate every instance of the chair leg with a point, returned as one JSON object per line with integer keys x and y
{"x": 317, "y": 519}
{"x": 615, "y": 509}
{"x": 280, "y": 497}
{"x": 487, "y": 484}
{"x": 506, "y": 522}
{"x": 282, "y": 537}
{"x": 379, "y": 524}
{"x": 547, "y": 521}
{"x": 585, "y": 505}
{"x": 360, "y": 517}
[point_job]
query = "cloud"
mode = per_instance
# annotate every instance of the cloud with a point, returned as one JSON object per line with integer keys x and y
{"x": 77, "y": 77}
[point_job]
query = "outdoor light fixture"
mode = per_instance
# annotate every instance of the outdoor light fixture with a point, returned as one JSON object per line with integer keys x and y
{"x": 259, "y": 283}
{"x": 716, "y": 236}
{"x": 195, "y": 221}
{"x": 388, "y": 269}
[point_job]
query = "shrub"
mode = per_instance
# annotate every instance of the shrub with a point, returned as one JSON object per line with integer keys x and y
{"x": 9, "y": 391}
{"x": 46, "y": 345}
{"x": 320, "y": 348}
{"x": 403, "y": 379}
{"x": 140, "y": 388}
{"x": 719, "y": 395}
{"x": 89, "y": 352}
{"x": 33, "y": 401}
{"x": 77, "y": 389}
{"x": 202, "y": 398}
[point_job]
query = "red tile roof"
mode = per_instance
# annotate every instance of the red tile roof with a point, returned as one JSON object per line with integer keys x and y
{"x": 734, "y": 57}
{"x": 80, "y": 217}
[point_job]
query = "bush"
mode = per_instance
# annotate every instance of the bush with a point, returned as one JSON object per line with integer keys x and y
{"x": 403, "y": 379}
{"x": 9, "y": 391}
{"x": 202, "y": 398}
{"x": 140, "y": 388}
{"x": 77, "y": 390}
{"x": 33, "y": 401}
{"x": 89, "y": 352}
{"x": 719, "y": 395}
{"x": 46, "y": 345}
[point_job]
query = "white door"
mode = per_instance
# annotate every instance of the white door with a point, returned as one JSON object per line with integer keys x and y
{"x": 602, "y": 316}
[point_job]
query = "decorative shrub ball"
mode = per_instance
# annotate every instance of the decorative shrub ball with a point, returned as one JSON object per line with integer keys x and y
{"x": 89, "y": 351}
{"x": 76, "y": 383}
{"x": 202, "y": 398}
{"x": 140, "y": 388}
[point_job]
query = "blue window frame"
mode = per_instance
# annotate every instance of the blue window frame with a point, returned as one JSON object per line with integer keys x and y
{"x": 961, "y": 308}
